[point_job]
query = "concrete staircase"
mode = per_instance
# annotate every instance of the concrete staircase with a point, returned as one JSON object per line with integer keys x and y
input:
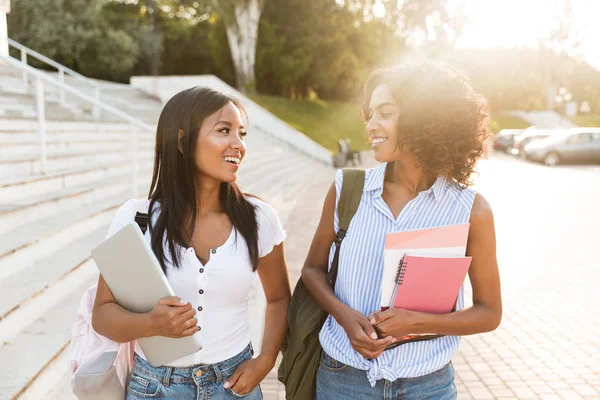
{"x": 49, "y": 223}
{"x": 17, "y": 99}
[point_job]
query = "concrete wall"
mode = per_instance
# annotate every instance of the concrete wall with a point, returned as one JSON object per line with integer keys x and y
{"x": 3, "y": 34}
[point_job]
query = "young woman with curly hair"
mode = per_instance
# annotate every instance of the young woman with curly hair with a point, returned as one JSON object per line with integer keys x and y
{"x": 426, "y": 126}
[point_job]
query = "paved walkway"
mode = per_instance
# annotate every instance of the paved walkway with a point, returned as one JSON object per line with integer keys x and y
{"x": 547, "y": 224}
{"x": 547, "y": 221}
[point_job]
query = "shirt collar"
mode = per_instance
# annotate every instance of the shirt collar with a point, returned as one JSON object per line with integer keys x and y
{"x": 374, "y": 183}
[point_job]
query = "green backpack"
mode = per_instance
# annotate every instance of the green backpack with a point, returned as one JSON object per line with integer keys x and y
{"x": 302, "y": 349}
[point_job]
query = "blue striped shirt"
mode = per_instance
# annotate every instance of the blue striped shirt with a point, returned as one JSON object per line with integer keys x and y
{"x": 361, "y": 269}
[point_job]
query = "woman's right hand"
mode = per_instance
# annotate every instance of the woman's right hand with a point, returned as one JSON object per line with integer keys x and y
{"x": 172, "y": 318}
{"x": 361, "y": 333}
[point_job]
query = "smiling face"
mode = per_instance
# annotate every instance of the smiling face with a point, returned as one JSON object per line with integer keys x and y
{"x": 382, "y": 121}
{"x": 220, "y": 147}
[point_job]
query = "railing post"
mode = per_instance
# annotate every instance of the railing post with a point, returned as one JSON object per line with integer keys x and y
{"x": 41, "y": 119}
{"x": 133, "y": 149}
{"x": 61, "y": 78}
{"x": 96, "y": 110}
{"x": 24, "y": 61}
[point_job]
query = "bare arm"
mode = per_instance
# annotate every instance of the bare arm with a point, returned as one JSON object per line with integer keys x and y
{"x": 314, "y": 275}
{"x": 272, "y": 270}
{"x": 169, "y": 318}
{"x": 485, "y": 314}
{"x": 314, "y": 272}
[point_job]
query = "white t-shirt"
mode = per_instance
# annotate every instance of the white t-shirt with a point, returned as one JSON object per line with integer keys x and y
{"x": 219, "y": 291}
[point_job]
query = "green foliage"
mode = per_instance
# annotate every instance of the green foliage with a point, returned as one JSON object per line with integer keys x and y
{"x": 587, "y": 120}
{"x": 98, "y": 58}
{"x": 306, "y": 48}
{"x": 505, "y": 121}
{"x": 318, "y": 46}
{"x": 73, "y": 33}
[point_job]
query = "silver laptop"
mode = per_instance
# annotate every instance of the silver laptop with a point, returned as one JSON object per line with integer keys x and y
{"x": 136, "y": 280}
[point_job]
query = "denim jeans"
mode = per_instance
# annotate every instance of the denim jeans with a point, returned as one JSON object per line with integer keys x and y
{"x": 197, "y": 382}
{"x": 337, "y": 381}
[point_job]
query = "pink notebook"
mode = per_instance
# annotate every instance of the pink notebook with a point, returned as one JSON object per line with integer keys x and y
{"x": 442, "y": 241}
{"x": 429, "y": 284}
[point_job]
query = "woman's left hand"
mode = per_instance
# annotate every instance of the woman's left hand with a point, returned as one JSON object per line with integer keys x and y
{"x": 248, "y": 375}
{"x": 396, "y": 322}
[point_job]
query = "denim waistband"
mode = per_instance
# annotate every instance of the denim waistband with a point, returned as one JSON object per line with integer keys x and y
{"x": 199, "y": 373}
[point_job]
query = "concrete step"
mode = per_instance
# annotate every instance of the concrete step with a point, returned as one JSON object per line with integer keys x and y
{"x": 23, "y": 188}
{"x": 21, "y": 166}
{"x": 55, "y": 278}
{"x": 19, "y": 288}
{"x": 10, "y": 112}
{"x": 37, "y": 208}
{"x": 59, "y": 136}
{"x": 32, "y": 149}
{"x": 36, "y": 346}
{"x": 291, "y": 184}
{"x": 63, "y": 126}
{"x": 256, "y": 179}
{"x": 29, "y": 243}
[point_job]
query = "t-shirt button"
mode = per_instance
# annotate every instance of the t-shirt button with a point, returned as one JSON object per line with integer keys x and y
{"x": 214, "y": 251}
{"x": 200, "y": 308}
{"x": 201, "y": 291}
{"x": 201, "y": 270}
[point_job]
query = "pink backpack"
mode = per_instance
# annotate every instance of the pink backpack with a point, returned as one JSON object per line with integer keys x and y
{"x": 100, "y": 367}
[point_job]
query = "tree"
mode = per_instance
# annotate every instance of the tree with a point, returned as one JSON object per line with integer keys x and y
{"x": 562, "y": 43}
{"x": 320, "y": 47}
{"x": 82, "y": 40}
{"x": 241, "y": 18}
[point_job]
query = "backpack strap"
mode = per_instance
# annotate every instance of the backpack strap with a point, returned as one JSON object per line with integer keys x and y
{"x": 352, "y": 188}
{"x": 142, "y": 220}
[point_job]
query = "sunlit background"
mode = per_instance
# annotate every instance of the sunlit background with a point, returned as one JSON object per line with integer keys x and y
{"x": 81, "y": 94}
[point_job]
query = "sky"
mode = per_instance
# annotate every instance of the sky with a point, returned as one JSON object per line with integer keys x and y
{"x": 510, "y": 23}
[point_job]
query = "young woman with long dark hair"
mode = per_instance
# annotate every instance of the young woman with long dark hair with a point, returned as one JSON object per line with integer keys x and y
{"x": 211, "y": 240}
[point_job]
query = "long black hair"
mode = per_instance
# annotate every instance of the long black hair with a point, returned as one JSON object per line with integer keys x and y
{"x": 175, "y": 185}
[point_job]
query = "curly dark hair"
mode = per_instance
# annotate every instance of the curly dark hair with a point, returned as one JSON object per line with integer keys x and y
{"x": 442, "y": 119}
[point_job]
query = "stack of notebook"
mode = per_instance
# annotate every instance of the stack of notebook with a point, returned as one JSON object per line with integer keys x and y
{"x": 424, "y": 270}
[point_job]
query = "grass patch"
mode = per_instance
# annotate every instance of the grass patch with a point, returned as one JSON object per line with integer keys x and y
{"x": 504, "y": 121}
{"x": 587, "y": 120}
{"x": 327, "y": 122}
{"x": 323, "y": 122}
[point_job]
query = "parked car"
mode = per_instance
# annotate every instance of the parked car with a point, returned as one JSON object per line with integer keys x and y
{"x": 503, "y": 141}
{"x": 579, "y": 145}
{"x": 529, "y": 135}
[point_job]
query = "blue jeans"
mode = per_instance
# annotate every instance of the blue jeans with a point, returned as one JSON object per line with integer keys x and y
{"x": 197, "y": 382}
{"x": 337, "y": 381}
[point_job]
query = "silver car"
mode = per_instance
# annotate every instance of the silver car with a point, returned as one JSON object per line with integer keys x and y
{"x": 578, "y": 145}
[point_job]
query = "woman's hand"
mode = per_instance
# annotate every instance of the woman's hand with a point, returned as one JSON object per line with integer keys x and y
{"x": 248, "y": 375}
{"x": 172, "y": 318}
{"x": 395, "y": 322}
{"x": 360, "y": 331}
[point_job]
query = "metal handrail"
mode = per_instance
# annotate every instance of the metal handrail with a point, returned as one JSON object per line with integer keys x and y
{"x": 50, "y": 62}
{"x": 42, "y": 77}
{"x": 25, "y": 51}
{"x": 78, "y": 93}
